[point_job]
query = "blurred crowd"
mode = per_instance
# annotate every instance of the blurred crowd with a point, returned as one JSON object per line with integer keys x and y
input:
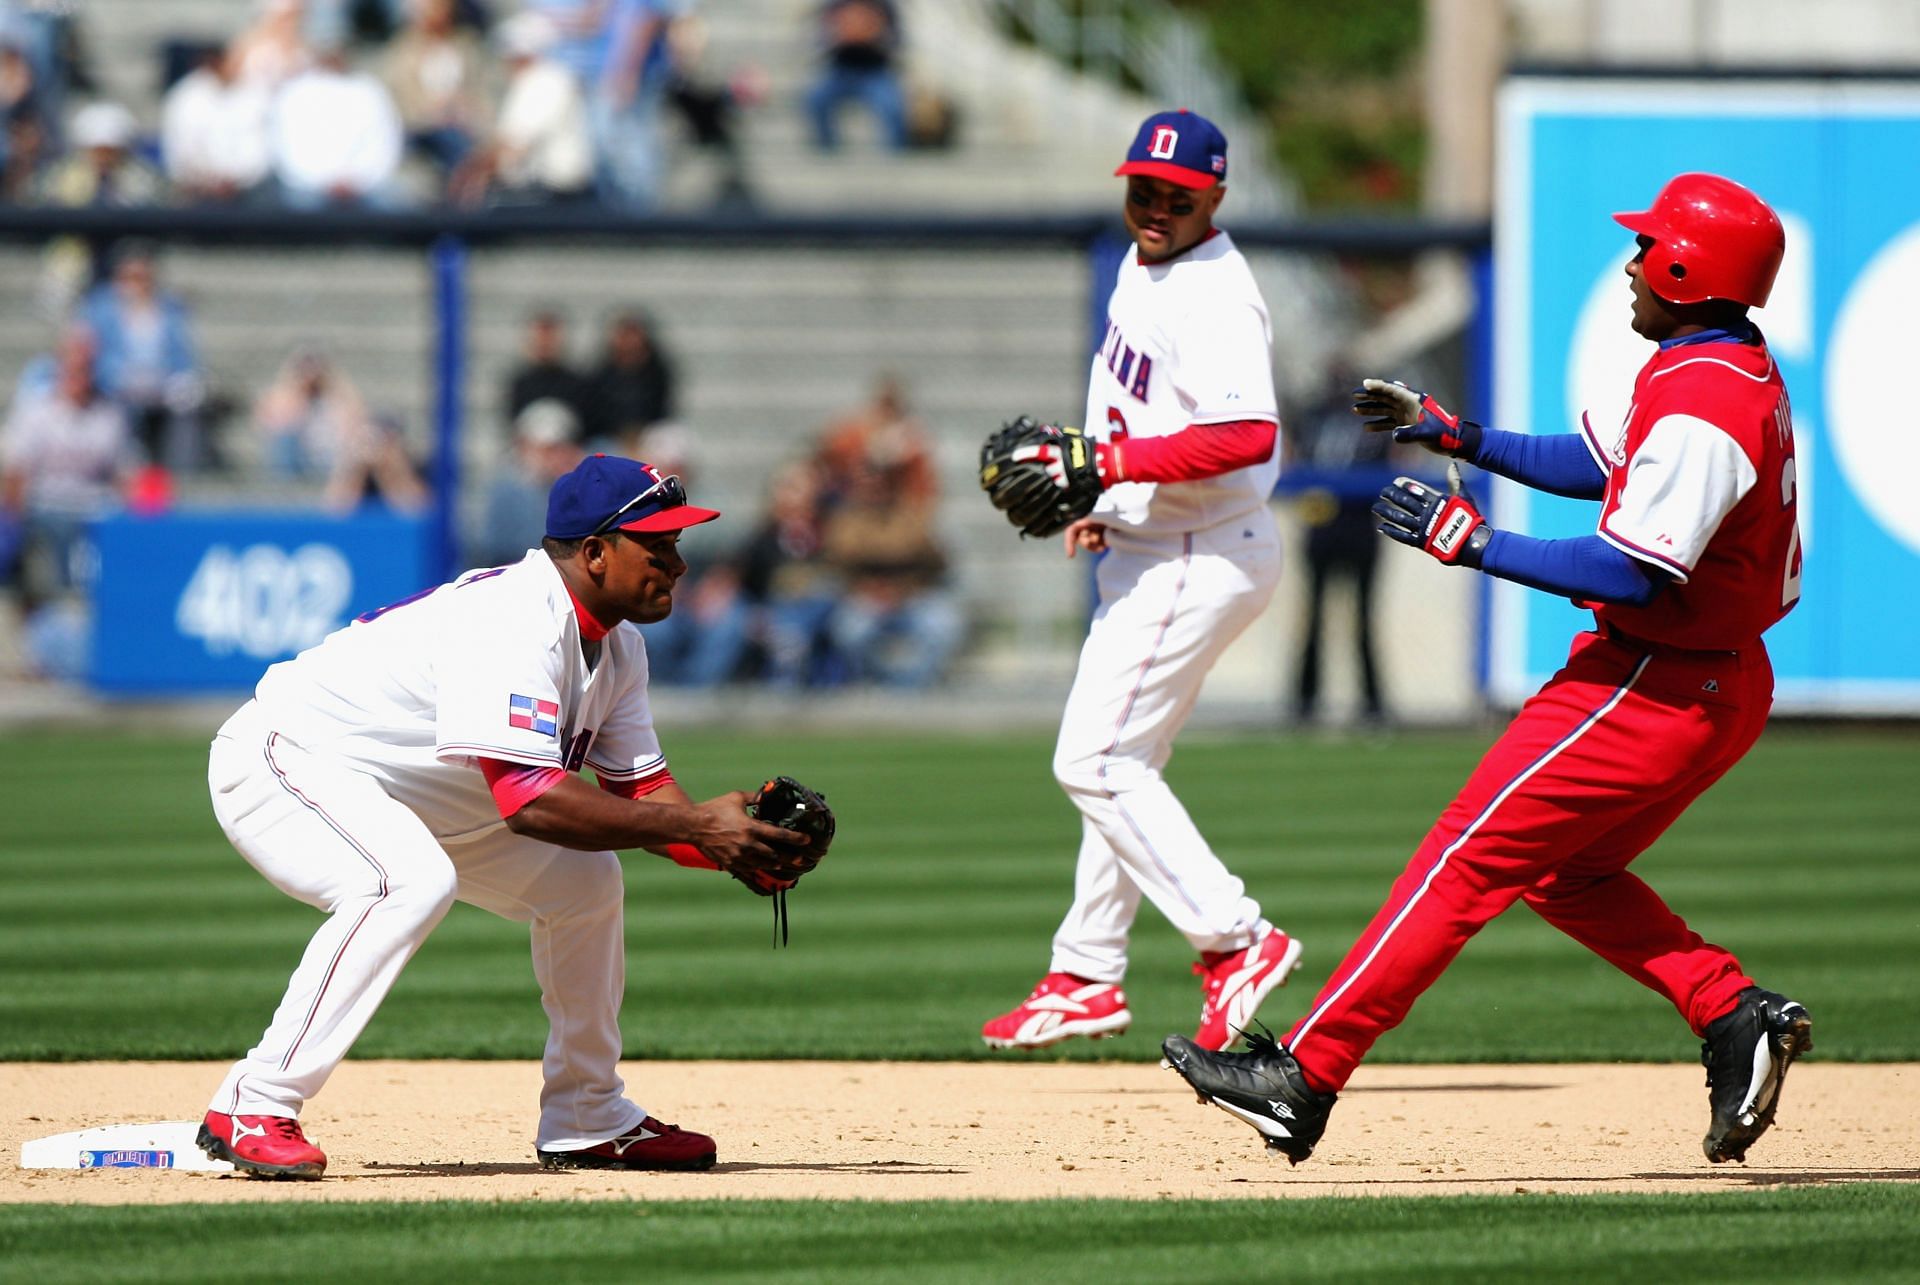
{"x": 841, "y": 577}
{"x": 394, "y": 104}
{"x": 397, "y": 104}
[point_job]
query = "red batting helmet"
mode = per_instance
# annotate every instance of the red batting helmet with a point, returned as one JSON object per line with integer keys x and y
{"x": 1712, "y": 239}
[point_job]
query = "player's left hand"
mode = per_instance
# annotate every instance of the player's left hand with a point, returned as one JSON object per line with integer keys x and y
{"x": 1042, "y": 476}
{"x": 1072, "y": 463}
{"x": 1446, "y": 524}
{"x": 1412, "y": 416}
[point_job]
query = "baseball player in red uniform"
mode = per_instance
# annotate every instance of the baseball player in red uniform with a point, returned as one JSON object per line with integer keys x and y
{"x": 429, "y": 753}
{"x": 1696, "y": 555}
{"x": 1181, "y": 404}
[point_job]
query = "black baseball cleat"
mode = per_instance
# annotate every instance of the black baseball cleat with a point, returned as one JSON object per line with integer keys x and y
{"x": 1263, "y": 1086}
{"x": 1747, "y": 1053}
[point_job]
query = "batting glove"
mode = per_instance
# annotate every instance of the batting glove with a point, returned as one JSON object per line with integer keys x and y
{"x": 1446, "y": 524}
{"x": 1412, "y": 416}
{"x": 1072, "y": 458}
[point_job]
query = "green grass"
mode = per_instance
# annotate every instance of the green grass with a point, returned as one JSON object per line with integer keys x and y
{"x": 129, "y": 928}
{"x": 1853, "y": 1233}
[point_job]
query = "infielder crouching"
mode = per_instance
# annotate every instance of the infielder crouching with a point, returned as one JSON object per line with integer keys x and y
{"x": 426, "y": 754}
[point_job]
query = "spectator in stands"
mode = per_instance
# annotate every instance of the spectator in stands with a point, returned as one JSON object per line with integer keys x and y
{"x": 896, "y": 622}
{"x": 710, "y": 106}
{"x": 274, "y": 49}
{"x": 101, "y": 172}
{"x": 336, "y": 138}
{"x": 307, "y": 415}
{"x": 786, "y": 585}
{"x": 213, "y": 132}
{"x": 49, "y": 37}
{"x": 860, "y": 41}
{"x": 633, "y": 387}
{"x": 628, "y": 92}
{"x": 545, "y": 374}
{"x": 546, "y": 446}
{"x": 541, "y": 151}
{"x": 438, "y": 71}
{"x": 65, "y": 454}
{"x": 885, "y": 433}
{"x": 372, "y": 470}
{"x": 23, "y": 124}
{"x": 147, "y": 361}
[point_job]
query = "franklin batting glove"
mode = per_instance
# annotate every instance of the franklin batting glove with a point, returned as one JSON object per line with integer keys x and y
{"x": 1412, "y": 416}
{"x": 1446, "y": 525}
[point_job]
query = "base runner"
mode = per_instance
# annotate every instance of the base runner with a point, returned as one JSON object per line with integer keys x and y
{"x": 1697, "y": 554}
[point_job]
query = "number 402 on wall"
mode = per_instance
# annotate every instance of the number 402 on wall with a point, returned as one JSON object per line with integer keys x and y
{"x": 262, "y": 601}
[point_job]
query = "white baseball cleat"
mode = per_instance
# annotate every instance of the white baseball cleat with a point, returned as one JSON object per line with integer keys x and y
{"x": 1061, "y": 1007}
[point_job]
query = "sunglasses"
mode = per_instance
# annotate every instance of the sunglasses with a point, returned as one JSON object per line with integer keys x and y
{"x": 671, "y": 495}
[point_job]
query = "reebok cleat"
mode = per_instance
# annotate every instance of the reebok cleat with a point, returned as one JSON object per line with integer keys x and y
{"x": 1747, "y": 1052}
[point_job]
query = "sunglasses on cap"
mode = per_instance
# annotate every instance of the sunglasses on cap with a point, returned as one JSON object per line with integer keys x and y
{"x": 667, "y": 493}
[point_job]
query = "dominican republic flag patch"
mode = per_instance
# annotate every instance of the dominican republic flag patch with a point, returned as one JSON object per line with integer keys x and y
{"x": 534, "y": 715}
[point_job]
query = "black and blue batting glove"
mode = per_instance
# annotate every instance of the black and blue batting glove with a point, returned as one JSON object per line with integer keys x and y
{"x": 1445, "y": 524}
{"x": 1412, "y": 416}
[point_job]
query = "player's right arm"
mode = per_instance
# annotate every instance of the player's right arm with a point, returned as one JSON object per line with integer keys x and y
{"x": 570, "y": 813}
{"x": 1561, "y": 463}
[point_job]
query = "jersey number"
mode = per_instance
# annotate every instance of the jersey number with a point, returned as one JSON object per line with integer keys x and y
{"x": 1116, "y": 424}
{"x": 1790, "y": 580}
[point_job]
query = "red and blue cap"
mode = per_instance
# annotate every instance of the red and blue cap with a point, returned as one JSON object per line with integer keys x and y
{"x": 608, "y": 493}
{"x": 1180, "y": 147}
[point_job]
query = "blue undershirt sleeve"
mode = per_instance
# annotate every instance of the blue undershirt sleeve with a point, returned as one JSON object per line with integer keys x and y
{"x": 1585, "y": 568}
{"x": 1559, "y": 463}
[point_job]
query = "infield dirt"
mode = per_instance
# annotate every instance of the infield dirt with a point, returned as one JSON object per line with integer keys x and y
{"x": 1015, "y": 1131}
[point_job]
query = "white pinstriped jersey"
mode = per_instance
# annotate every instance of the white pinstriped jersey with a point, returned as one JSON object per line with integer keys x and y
{"x": 487, "y": 666}
{"x": 1188, "y": 341}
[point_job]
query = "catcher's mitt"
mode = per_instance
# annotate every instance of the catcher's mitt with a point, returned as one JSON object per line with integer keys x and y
{"x": 1042, "y": 476}
{"x": 790, "y": 805}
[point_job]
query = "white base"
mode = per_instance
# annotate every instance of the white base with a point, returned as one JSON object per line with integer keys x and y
{"x": 167, "y": 1144}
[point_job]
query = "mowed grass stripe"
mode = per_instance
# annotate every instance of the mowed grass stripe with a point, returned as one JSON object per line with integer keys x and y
{"x": 1858, "y": 1233}
{"x": 129, "y": 928}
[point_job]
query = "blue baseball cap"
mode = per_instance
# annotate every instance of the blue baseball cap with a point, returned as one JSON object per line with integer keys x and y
{"x": 1180, "y": 147}
{"x": 608, "y": 493}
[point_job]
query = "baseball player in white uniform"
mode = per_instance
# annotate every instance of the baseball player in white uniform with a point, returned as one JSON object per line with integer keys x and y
{"x": 1181, "y": 403}
{"x": 426, "y": 754}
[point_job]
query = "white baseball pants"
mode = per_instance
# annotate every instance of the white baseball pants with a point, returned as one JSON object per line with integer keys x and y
{"x": 1169, "y": 607}
{"x": 328, "y": 835}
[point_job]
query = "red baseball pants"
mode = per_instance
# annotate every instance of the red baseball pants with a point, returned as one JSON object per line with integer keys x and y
{"x": 1592, "y": 770}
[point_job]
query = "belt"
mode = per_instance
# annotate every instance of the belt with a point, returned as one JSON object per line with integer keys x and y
{"x": 1620, "y": 636}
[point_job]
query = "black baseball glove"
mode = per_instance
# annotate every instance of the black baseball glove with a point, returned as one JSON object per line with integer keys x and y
{"x": 1042, "y": 476}
{"x": 790, "y": 805}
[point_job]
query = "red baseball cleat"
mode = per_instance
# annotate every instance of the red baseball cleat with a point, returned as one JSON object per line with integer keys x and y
{"x": 265, "y": 1146}
{"x": 1060, "y": 1007}
{"x": 652, "y": 1144}
{"x": 1236, "y": 983}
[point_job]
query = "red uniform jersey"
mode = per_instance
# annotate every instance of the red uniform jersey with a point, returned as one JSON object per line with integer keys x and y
{"x": 1701, "y": 484}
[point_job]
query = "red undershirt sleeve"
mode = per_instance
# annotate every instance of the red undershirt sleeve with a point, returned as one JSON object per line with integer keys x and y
{"x": 1196, "y": 451}
{"x": 515, "y": 785}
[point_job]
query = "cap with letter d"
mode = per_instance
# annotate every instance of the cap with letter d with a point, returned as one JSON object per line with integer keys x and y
{"x": 1181, "y": 147}
{"x": 610, "y": 493}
